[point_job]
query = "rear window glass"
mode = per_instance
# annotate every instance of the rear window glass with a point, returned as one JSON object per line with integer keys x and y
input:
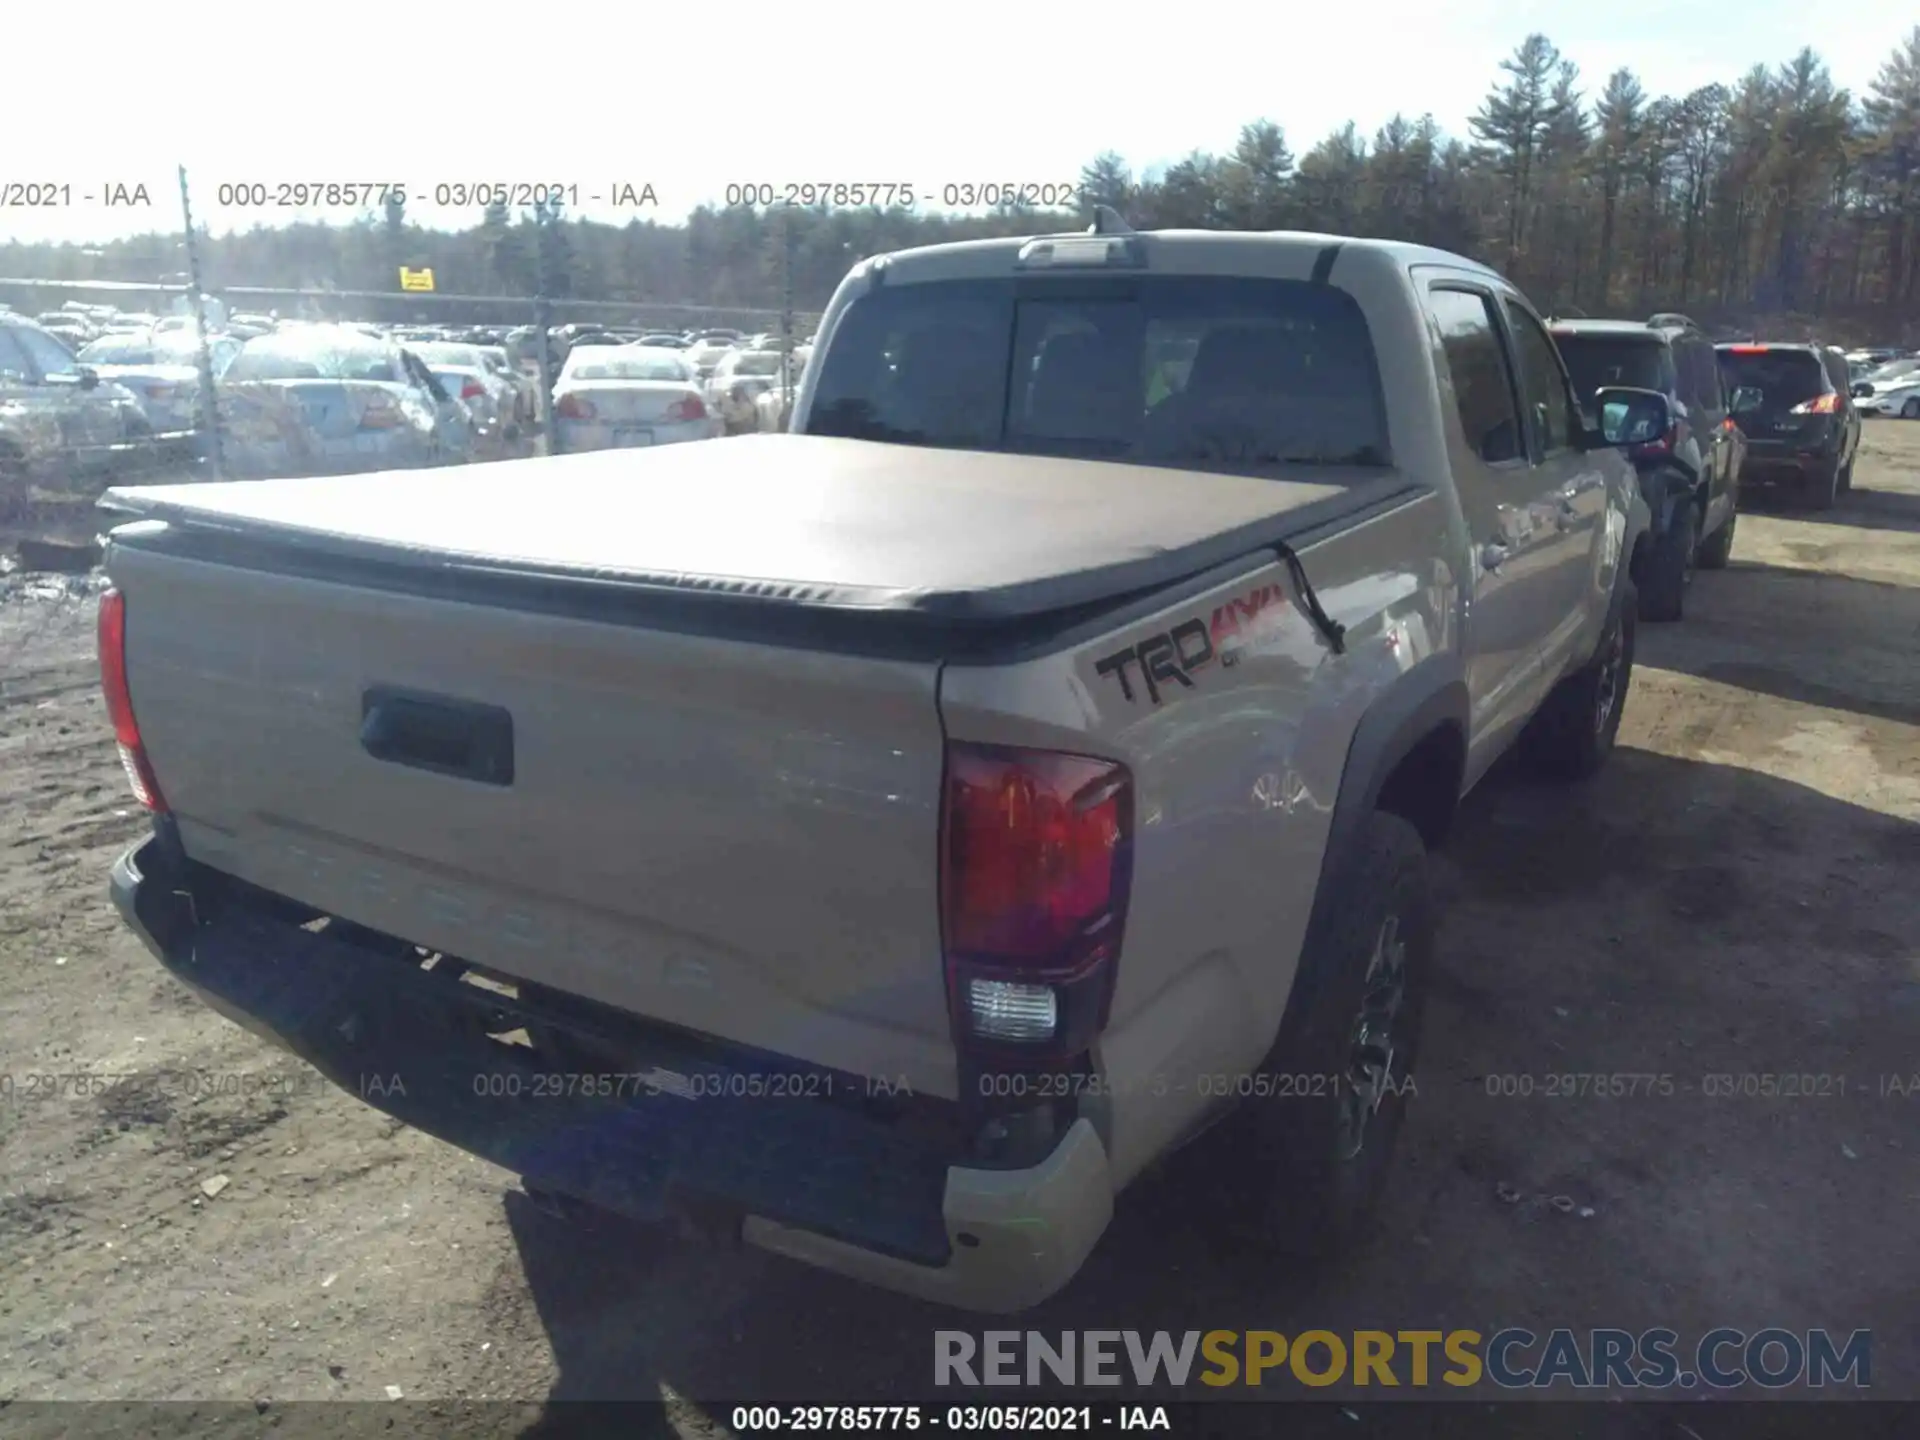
{"x": 1784, "y": 378}
{"x": 118, "y": 350}
{"x": 290, "y": 360}
{"x": 637, "y": 367}
{"x": 1187, "y": 370}
{"x": 1595, "y": 361}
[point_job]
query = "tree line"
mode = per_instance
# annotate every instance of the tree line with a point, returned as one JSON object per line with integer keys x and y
{"x": 1778, "y": 195}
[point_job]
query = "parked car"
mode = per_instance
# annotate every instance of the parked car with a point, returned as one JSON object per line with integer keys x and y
{"x": 326, "y": 399}
{"x": 946, "y": 812}
{"x": 736, "y": 383}
{"x": 492, "y": 397}
{"x": 705, "y": 356}
{"x": 1794, "y": 403}
{"x": 59, "y": 420}
{"x": 73, "y": 331}
{"x": 610, "y": 398}
{"x": 526, "y": 389}
{"x": 1689, "y": 476}
{"x": 660, "y": 340}
{"x": 162, "y": 370}
{"x": 1890, "y": 389}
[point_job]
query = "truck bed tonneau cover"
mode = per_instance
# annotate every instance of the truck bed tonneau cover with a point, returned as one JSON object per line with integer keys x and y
{"x": 814, "y": 521}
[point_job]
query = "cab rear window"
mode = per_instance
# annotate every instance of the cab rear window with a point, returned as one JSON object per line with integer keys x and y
{"x": 1202, "y": 371}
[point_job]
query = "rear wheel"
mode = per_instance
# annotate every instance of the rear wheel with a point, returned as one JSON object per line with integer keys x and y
{"x": 1572, "y": 735}
{"x": 1717, "y": 549}
{"x": 1315, "y": 1137}
{"x": 1911, "y": 410}
{"x": 1663, "y": 585}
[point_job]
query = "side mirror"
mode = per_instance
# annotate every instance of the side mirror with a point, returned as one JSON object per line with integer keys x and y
{"x": 1862, "y": 391}
{"x": 1630, "y": 416}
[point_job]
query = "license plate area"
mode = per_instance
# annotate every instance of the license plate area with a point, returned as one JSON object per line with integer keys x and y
{"x": 626, "y": 437}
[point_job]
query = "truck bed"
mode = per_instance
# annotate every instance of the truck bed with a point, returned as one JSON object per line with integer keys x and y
{"x": 816, "y": 522}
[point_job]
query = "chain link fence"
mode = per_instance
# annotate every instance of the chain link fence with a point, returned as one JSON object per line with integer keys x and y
{"x": 45, "y": 496}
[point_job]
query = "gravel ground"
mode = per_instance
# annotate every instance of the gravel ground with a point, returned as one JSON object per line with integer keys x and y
{"x": 1736, "y": 896}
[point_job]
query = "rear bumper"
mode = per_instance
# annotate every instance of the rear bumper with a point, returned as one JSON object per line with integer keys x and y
{"x": 826, "y": 1183}
{"x": 1780, "y": 465}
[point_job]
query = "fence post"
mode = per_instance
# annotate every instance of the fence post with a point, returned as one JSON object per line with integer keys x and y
{"x": 786, "y": 315}
{"x": 209, "y": 400}
{"x": 543, "y": 325}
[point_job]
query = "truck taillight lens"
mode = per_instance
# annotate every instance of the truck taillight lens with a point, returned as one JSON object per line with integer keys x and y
{"x": 113, "y": 681}
{"x": 685, "y": 411}
{"x": 1036, "y": 863}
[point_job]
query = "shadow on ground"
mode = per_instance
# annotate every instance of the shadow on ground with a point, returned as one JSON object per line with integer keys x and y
{"x": 1811, "y": 636}
{"x": 1862, "y": 508}
{"x": 1675, "y": 919}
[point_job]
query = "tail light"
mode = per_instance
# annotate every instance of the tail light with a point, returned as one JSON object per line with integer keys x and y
{"x": 1828, "y": 404}
{"x": 473, "y": 390}
{"x": 1036, "y": 859}
{"x": 572, "y": 407}
{"x": 1747, "y": 349}
{"x": 382, "y": 413}
{"x": 113, "y": 682}
{"x": 1729, "y": 424}
{"x": 687, "y": 409}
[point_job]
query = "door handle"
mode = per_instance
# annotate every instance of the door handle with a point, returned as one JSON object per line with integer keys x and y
{"x": 1492, "y": 554}
{"x": 460, "y": 738}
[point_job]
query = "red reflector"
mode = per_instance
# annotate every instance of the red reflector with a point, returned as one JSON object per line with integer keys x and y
{"x": 1034, "y": 858}
{"x": 112, "y": 634}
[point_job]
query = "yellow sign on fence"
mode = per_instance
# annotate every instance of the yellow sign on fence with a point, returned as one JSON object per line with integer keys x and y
{"x": 415, "y": 279}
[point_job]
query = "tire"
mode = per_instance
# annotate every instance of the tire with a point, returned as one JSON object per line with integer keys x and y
{"x": 1572, "y": 735}
{"x": 1823, "y": 491}
{"x": 1663, "y": 584}
{"x": 1717, "y": 548}
{"x": 1911, "y": 410}
{"x": 1310, "y": 1150}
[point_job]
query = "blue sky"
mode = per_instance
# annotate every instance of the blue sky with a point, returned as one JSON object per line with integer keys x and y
{"x": 689, "y": 99}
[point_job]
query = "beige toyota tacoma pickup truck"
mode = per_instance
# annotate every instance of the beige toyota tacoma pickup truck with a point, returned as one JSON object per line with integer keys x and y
{"x": 884, "y": 841}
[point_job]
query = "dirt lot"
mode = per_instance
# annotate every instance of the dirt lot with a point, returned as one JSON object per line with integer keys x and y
{"x": 1737, "y": 896}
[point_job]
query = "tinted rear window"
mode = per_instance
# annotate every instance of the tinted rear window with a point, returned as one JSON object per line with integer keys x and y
{"x": 1784, "y": 378}
{"x": 1595, "y": 361}
{"x": 1195, "y": 370}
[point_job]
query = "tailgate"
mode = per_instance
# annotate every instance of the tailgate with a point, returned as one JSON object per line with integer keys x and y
{"x": 738, "y": 838}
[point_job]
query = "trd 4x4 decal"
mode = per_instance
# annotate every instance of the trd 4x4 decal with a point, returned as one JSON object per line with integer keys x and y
{"x": 1174, "y": 656}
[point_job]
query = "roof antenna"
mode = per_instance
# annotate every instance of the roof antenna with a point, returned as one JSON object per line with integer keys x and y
{"x": 1108, "y": 221}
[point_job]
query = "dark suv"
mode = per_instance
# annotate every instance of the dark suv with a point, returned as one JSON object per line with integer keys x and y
{"x": 1691, "y": 475}
{"x": 1795, "y": 403}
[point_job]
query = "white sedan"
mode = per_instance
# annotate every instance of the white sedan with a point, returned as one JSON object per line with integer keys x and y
{"x": 1891, "y": 390}
{"x": 620, "y": 396}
